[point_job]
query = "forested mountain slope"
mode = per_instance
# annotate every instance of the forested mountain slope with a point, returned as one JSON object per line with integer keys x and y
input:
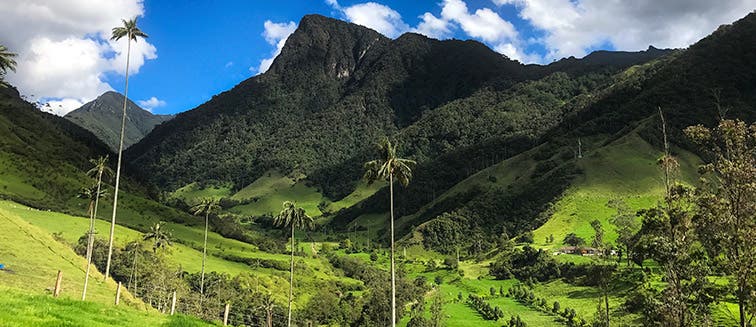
{"x": 337, "y": 87}
{"x": 102, "y": 117}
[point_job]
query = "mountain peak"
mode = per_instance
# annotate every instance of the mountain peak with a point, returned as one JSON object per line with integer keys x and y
{"x": 102, "y": 117}
{"x": 328, "y": 47}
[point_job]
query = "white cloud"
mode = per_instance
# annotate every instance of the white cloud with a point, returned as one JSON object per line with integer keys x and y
{"x": 229, "y": 64}
{"x": 61, "y": 107}
{"x": 433, "y": 26}
{"x": 275, "y": 34}
{"x": 64, "y": 47}
{"x": 573, "y": 27}
{"x": 484, "y": 23}
{"x": 151, "y": 103}
{"x": 381, "y": 18}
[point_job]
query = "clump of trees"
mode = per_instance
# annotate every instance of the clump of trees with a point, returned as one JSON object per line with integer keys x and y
{"x": 485, "y": 309}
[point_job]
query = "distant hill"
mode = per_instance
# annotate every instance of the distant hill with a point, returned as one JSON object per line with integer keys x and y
{"x": 102, "y": 117}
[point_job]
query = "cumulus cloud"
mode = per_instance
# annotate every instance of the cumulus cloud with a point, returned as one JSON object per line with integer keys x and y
{"x": 151, "y": 103}
{"x": 65, "y": 52}
{"x": 381, "y": 18}
{"x": 483, "y": 24}
{"x": 61, "y": 107}
{"x": 275, "y": 34}
{"x": 433, "y": 26}
{"x": 573, "y": 27}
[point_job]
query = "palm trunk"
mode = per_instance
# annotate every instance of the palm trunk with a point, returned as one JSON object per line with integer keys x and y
{"x": 204, "y": 255}
{"x": 291, "y": 273}
{"x": 120, "y": 155}
{"x": 393, "y": 273}
{"x": 89, "y": 251}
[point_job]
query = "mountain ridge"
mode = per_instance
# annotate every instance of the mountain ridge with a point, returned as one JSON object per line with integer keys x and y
{"x": 343, "y": 82}
{"x": 102, "y": 117}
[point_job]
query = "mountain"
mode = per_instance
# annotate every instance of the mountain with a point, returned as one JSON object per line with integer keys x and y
{"x": 43, "y": 157}
{"x": 337, "y": 87}
{"x": 102, "y": 116}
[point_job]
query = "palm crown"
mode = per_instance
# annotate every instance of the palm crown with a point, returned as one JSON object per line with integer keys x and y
{"x": 161, "y": 238}
{"x": 6, "y": 60}
{"x": 292, "y": 216}
{"x": 206, "y": 206}
{"x": 388, "y": 164}
{"x": 129, "y": 29}
{"x": 99, "y": 166}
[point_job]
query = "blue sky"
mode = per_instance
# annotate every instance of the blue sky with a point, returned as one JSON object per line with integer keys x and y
{"x": 197, "y": 49}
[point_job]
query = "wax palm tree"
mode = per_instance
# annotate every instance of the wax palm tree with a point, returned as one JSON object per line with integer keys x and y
{"x": 99, "y": 170}
{"x": 93, "y": 194}
{"x": 133, "y": 247}
{"x": 159, "y": 236}
{"x": 132, "y": 33}
{"x": 295, "y": 218}
{"x": 206, "y": 207}
{"x": 389, "y": 167}
{"x": 6, "y": 62}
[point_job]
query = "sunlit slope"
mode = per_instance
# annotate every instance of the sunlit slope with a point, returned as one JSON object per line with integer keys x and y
{"x": 32, "y": 259}
{"x": 23, "y": 309}
{"x": 624, "y": 170}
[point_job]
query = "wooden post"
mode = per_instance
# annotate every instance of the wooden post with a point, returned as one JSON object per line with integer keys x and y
{"x": 225, "y": 314}
{"x": 118, "y": 294}
{"x": 58, "y": 281}
{"x": 173, "y": 303}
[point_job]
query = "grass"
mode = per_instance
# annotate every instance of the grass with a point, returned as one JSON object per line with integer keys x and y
{"x": 192, "y": 192}
{"x": 32, "y": 259}
{"x": 270, "y": 191}
{"x": 626, "y": 170}
{"x": 22, "y": 309}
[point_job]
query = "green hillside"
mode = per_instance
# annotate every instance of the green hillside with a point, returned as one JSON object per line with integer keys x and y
{"x": 20, "y": 309}
{"x": 32, "y": 259}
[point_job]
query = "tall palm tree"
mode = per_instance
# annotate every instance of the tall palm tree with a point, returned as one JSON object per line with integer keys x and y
{"x": 293, "y": 217}
{"x": 390, "y": 167}
{"x": 134, "y": 247}
{"x": 93, "y": 194}
{"x": 132, "y": 33}
{"x": 6, "y": 62}
{"x": 159, "y": 236}
{"x": 206, "y": 207}
{"x": 99, "y": 170}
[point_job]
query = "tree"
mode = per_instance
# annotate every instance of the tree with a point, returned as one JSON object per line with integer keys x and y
{"x": 573, "y": 239}
{"x": 206, "y": 207}
{"x": 132, "y": 33}
{"x": 627, "y": 227}
{"x": 6, "y": 63}
{"x": 727, "y": 204}
{"x": 159, "y": 236}
{"x": 99, "y": 170}
{"x": 388, "y": 167}
{"x": 295, "y": 218}
{"x": 598, "y": 236}
{"x": 93, "y": 194}
{"x": 436, "y": 311}
{"x": 668, "y": 236}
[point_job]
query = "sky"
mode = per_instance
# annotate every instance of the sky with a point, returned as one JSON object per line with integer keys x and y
{"x": 197, "y": 49}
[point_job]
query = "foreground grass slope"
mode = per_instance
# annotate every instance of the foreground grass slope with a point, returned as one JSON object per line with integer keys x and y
{"x": 32, "y": 259}
{"x": 23, "y": 309}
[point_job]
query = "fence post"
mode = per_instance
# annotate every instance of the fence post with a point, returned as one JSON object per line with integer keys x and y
{"x": 58, "y": 281}
{"x": 225, "y": 314}
{"x": 118, "y": 294}
{"x": 173, "y": 303}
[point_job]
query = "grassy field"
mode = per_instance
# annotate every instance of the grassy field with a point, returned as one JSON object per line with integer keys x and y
{"x": 22, "y": 309}
{"x": 185, "y": 252}
{"x": 32, "y": 259}
{"x": 626, "y": 170}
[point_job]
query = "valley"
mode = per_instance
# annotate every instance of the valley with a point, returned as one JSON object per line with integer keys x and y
{"x": 584, "y": 192}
